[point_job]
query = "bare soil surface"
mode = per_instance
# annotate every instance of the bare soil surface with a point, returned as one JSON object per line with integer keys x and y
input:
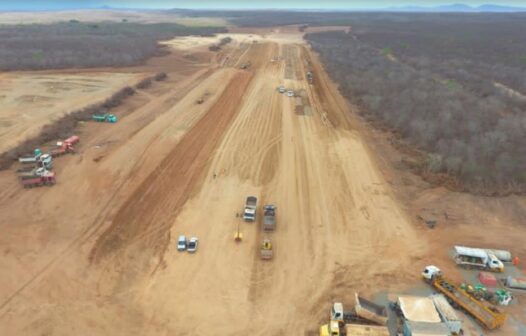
{"x": 96, "y": 15}
{"x": 96, "y": 253}
{"x": 31, "y": 100}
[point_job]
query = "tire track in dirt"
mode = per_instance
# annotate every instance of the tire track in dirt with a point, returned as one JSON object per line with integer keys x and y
{"x": 157, "y": 200}
{"x": 99, "y": 220}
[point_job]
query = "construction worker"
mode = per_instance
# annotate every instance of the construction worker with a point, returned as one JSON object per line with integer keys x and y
{"x": 516, "y": 261}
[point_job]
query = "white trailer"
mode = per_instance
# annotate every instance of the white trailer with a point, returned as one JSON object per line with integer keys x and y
{"x": 477, "y": 258}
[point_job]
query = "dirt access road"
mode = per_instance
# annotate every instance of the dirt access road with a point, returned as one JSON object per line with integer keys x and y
{"x": 96, "y": 253}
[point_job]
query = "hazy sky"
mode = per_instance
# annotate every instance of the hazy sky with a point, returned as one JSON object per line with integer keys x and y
{"x": 328, "y": 4}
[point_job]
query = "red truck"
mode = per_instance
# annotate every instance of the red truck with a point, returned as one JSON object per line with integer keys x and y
{"x": 47, "y": 179}
{"x": 72, "y": 139}
{"x": 65, "y": 146}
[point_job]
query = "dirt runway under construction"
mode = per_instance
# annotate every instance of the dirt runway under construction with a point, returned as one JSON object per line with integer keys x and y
{"x": 96, "y": 254}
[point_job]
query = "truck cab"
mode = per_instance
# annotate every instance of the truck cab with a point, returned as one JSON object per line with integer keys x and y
{"x": 494, "y": 263}
{"x": 337, "y": 312}
{"x": 331, "y": 329}
{"x": 430, "y": 272}
{"x": 249, "y": 214}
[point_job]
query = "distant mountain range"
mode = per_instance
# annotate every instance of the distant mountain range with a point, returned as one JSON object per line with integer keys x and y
{"x": 462, "y": 8}
{"x": 32, "y": 5}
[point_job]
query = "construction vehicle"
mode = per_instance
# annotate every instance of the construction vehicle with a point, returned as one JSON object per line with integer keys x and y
{"x": 65, "y": 146}
{"x": 38, "y": 160}
{"x": 488, "y": 316}
{"x": 62, "y": 148}
{"x": 238, "y": 235}
{"x": 369, "y": 310}
{"x": 499, "y": 297}
{"x": 447, "y": 314}
{"x": 477, "y": 258}
{"x": 266, "y": 252}
{"x": 44, "y": 163}
{"x": 25, "y": 174}
{"x": 72, "y": 140}
{"x": 249, "y": 215}
{"x": 47, "y": 179}
{"x": 106, "y": 117}
{"x": 310, "y": 77}
{"x": 341, "y": 322}
{"x": 269, "y": 217}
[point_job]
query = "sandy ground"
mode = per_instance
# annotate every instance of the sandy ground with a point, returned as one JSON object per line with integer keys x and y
{"x": 31, "y": 100}
{"x": 141, "y": 16}
{"x": 96, "y": 253}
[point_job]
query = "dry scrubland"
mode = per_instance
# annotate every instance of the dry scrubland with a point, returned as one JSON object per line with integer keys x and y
{"x": 455, "y": 89}
{"x": 77, "y": 44}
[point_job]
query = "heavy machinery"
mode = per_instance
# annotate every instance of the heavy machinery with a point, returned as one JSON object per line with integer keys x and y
{"x": 349, "y": 323}
{"x": 65, "y": 146}
{"x": 488, "y": 316}
{"x": 61, "y": 149}
{"x": 25, "y": 174}
{"x": 72, "y": 140}
{"x": 249, "y": 214}
{"x": 477, "y": 258}
{"x": 47, "y": 178}
{"x": 269, "y": 217}
{"x": 37, "y": 158}
{"x": 369, "y": 310}
{"x": 106, "y": 117}
{"x": 266, "y": 251}
{"x": 310, "y": 77}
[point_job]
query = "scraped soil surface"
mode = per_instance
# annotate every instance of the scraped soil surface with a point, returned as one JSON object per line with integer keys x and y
{"x": 96, "y": 253}
{"x": 31, "y": 100}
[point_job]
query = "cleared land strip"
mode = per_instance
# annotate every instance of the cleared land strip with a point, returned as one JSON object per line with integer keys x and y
{"x": 152, "y": 207}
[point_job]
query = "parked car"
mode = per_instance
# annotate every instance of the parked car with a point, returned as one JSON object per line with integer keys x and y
{"x": 192, "y": 245}
{"x": 282, "y": 89}
{"x": 181, "y": 243}
{"x": 290, "y": 93}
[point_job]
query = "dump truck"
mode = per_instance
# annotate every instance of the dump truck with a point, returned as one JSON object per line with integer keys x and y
{"x": 106, "y": 117}
{"x": 38, "y": 159}
{"x": 62, "y": 148}
{"x": 25, "y": 174}
{"x": 249, "y": 215}
{"x": 72, "y": 140}
{"x": 487, "y": 316}
{"x": 369, "y": 310}
{"x": 266, "y": 252}
{"x": 477, "y": 258}
{"x": 349, "y": 323}
{"x": 269, "y": 217}
{"x": 47, "y": 179}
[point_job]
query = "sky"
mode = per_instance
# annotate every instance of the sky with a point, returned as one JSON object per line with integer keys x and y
{"x": 239, "y": 4}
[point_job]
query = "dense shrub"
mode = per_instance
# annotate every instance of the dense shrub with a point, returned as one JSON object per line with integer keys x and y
{"x": 75, "y": 44}
{"x": 470, "y": 127}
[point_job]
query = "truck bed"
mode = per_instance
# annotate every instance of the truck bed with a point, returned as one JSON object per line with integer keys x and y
{"x": 487, "y": 316}
{"x": 370, "y": 310}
